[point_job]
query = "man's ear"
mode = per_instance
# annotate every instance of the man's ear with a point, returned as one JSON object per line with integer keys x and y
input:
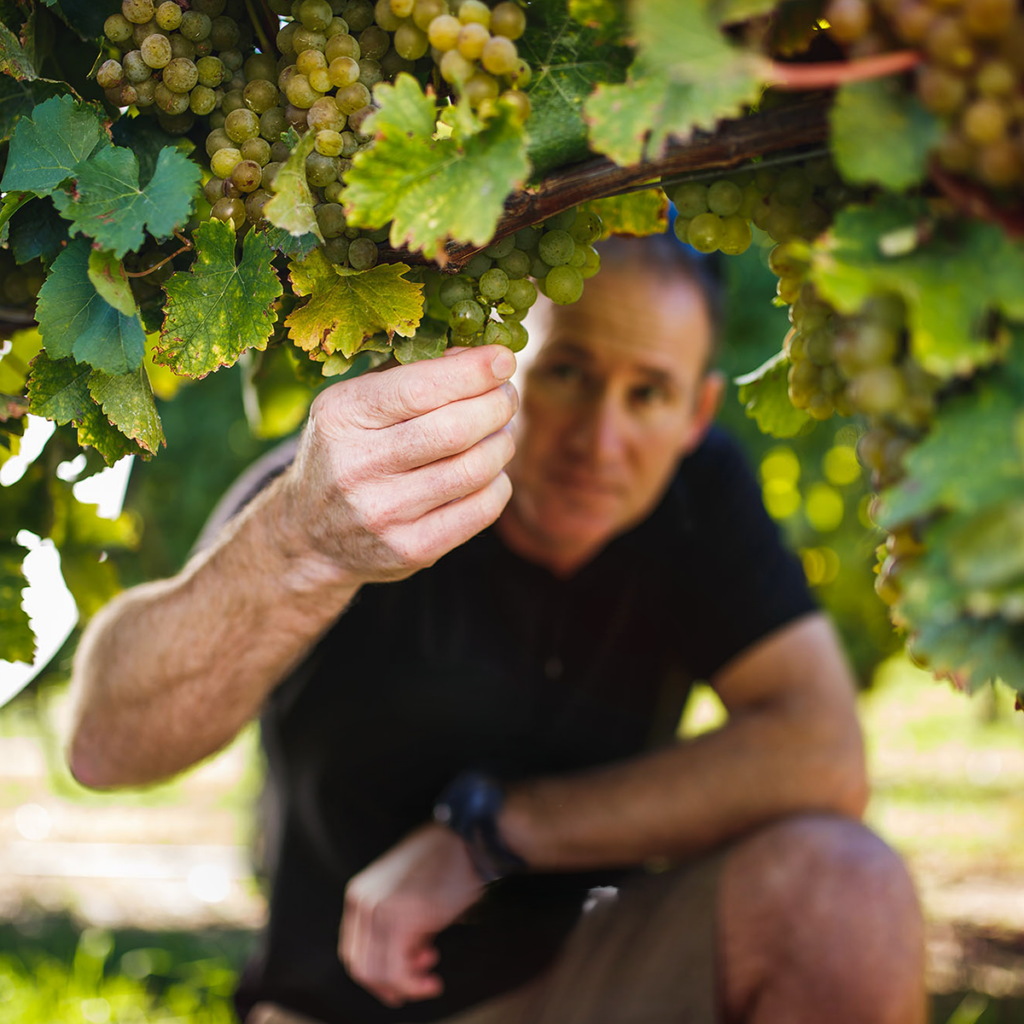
{"x": 709, "y": 399}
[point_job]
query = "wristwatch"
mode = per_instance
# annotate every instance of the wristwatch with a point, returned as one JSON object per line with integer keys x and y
{"x": 469, "y": 806}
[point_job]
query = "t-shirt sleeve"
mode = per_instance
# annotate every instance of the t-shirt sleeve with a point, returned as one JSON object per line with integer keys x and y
{"x": 742, "y": 580}
{"x": 265, "y": 469}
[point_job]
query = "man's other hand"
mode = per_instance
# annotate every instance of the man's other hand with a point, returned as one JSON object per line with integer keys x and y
{"x": 397, "y": 468}
{"x": 395, "y": 907}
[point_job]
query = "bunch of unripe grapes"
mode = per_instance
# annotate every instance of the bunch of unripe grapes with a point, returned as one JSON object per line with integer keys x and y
{"x": 788, "y": 202}
{"x": 558, "y": 254}
{"x": 972, "y": 76}
{"x": 473, "y": 47}
{"x": 174, "y": 61}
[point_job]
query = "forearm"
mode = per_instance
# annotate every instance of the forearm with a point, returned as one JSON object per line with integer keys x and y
{"x": 170, "y": 671}
{"x": 765, "y": 764}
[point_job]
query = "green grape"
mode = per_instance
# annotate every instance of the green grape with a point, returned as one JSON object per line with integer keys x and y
{"x": 784, "y": 263}
{"x": 260, "y": 96}
{"x": 170, "y": 102}
{"x": 324, "y": 114}
{"x": 168, "y": 15}
{"x": 309, "y": 60}
{"x": 210, "y": 72}
{"x": 270, "y": 173}
{"x": 848, "y": 20}
{"x": 180, "y": 75}
{"x": 315, "y": 14}
{"x": 247, "y": 175}
{"x": 362, "y": 254}
{"x": 156, "y": 51}
{"x": 704, "y": 232}
{"x": 352, "y": 98}
{"x": 499, "y": 55}
{"x": 479, "y": 88}
{"x": 453, "y": 290}
{"x": 561, "y": 221}
{"x": 478, "y": 265}
{"x": 578, "y": 258}
{"x": 496, "y": 250}
{"x": 443, "y": 32}
{"x": 515, "y": 263}
{"x": 493, "y": 284}
{"x": 878, "y": 391}
{"x": 690, "y": 198}
{"x": 519, "y": 336}
{"x": 255, "y": 149}
{"x": 194, "y": 26}
{"x": 138, "y": 12}
{"x": 586, "y": 228}
{"x": 273, "y": 123}
{"x": 392, "y": 65}
{"x": 940, "y": 90}
{"x": 474, "y": 12}
{"x": 223, "y": 33}
{"x": 109, "y": 75}
{"x": 402, "y": 9}
{"x": 260, "y": 67}
{"x": 328, "y": 142}
{"x": 466, "y": 317}
{"x": 788, "y": 289}
{"x": 356, "y": 122}
{"x": 211, "y": 8}
{"x": 306, "y": 39}
{"x": 985, "y": 121}
{"x": 321, "y": 170}
{"x": 948, "y": 43}
{"x": 592, "y": 263}
{"x": 508, "y": 20}
{"x": 374, "y": 42}
{"x": 783, "y": 222}
{"x": 724, "y": 198}
{"x": 386, "y": 18}
{"x": 792, "y": 187}
{"x": 202, "y": 101}
{"x": 343, "y": 71}
{"x": 538, "y": 268}
{"x": 224, "y": 161}
{"x": 242, "y": 124}
{"x": 331, "y": 219}
{"x": 556, "y": 247}
{"x": 285, "y": 39}
{"x": 736, "y": 236}
{"x": 300, "y": 93}
{"x": 521, "y": 293}
{"x": 996, "y": 78}
{"x": 751, "y": 197}
{"x": 217, "y": 139}
{"x": 564, "y": 285}
{"x": 214, "y": 190}
{"x": 681, "y": 228}
{"x": 370, "y": 73}
{"x": 232, "y": 211}
{"x": 527, "y": 239}
{"x": 336, "y": 250}
{"x": 455, "y": 69}
{"x": 987, "y": 19}
{"x": 333, "y": 191}
{"x": 117, "y": 28}
{"x": 411, "y": 43}
{"x": 497, "y": 334}
{"x": 145, "y": 93}
{"x": 358, "y": 14}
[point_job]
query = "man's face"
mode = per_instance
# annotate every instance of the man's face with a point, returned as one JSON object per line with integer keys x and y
{"x": 614, "y": 397}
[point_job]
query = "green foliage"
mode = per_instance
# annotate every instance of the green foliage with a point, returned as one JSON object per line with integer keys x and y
{"x": 19, "y": 640}
{"x": 75, "y": 320}
{"x": 882, "y": 135}
{"x": 47, "y": 147}
{"x": 18, "y": 98}
{"x": 219, "y": 308}
{"x": 949, "y": 278}
{"x": 127, "y": 402}
{"x": 636, "y": 213}
{"x": 108, "y": 204}
{"x": 347, "y": 307}
{"x": 292, "y": 206}
{"x": 763, "y": 394}
{"x": 687, "y": 75}
{"x": 432, "y": 189}
{"x": 109, "y": 279}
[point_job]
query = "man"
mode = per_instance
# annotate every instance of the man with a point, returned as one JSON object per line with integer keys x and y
{"x": 392, "y": 648}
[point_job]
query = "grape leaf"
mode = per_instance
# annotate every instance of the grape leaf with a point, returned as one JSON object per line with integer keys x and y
{"x": 17, "y": 641}
{"x": 765, "y": 396}
{"x": 292, "y": 205}
{"x": 881, "y": 135}
{"x": 109, "y": 279}
{"x": 636, "y": 213}
{"x": 949, "y": 282}
{"x": 687, "y": 75}
{"x": 276, "y": 401}
{"x": 47, "y": 146}
{"x": 568, "y": 60}
{"x": 14, "y": 363}
{"x": 98, "y": 432}
{"x": 109, "y": 205}
{"x": 86, "y": 17}
{"x": 432, "y": 189}
{"x": 147, "y": 140}
{"x": 218, "y": 309}
{"x": 38, "y": 231}
{"x": 127, "y": 402}
{"x": 347, "y": 307}
{"x": 294, "y": 247}
{"x": 18, "y": 99}
{"x": 429, "y": 341}
{"x": 11, "y": 204}
{"x": 74, "y": 320}
{"x": 14, "y": 61}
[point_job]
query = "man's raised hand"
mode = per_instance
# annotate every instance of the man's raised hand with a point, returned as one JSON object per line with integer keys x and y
{"x": 397, "y": 468}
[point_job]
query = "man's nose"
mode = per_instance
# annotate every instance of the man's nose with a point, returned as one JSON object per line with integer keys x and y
{"x": 601, "y": 430}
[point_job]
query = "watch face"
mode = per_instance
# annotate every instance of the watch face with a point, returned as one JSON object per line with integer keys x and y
{"x": 443, "y": 814}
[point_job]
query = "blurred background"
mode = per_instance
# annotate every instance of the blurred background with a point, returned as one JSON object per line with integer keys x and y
{"x": 141, "y": 906}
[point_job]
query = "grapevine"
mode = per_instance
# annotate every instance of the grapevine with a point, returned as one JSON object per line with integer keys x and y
{"x": 326, "y": 185}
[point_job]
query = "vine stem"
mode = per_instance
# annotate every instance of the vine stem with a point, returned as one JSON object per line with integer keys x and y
{"x": 186, "y": 244}
{"x": 802, "y": 77}
{"x": 975, "y": 201}
{"x": 735, "y": 142}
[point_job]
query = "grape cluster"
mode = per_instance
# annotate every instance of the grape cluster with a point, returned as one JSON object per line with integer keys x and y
{"x": 790, "y": 202}
{"x": 558, "y": 254}
{"x": 473, "y": 47}
{"x": 174, "y": 58}
{"x": 972, "y": 76}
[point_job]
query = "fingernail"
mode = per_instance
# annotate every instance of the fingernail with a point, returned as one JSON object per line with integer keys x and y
{"x": 504, "y": 364}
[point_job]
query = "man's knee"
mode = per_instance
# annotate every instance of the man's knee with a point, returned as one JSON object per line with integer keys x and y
{"x": 819, "y": 908}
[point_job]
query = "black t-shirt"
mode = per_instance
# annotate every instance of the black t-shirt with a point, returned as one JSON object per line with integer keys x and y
{"x": 487, "y": 661}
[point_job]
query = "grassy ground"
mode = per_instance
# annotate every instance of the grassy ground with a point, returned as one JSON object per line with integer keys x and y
{"x": 948, "y": 777}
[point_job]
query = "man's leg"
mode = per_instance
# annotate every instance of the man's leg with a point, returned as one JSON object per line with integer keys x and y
{"x": 818, "y": 916}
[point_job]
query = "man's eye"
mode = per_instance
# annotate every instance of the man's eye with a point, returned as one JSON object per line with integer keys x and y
{"x": 647, "y": 394}
{"x": 564, "y": 372}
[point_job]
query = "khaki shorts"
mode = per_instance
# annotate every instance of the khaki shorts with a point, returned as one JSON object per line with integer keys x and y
{"x": 646, "y": 955}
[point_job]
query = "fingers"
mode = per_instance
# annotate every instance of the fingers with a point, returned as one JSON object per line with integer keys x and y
{"x": 417, "y": 388}
{"x": 449, "y": 430}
